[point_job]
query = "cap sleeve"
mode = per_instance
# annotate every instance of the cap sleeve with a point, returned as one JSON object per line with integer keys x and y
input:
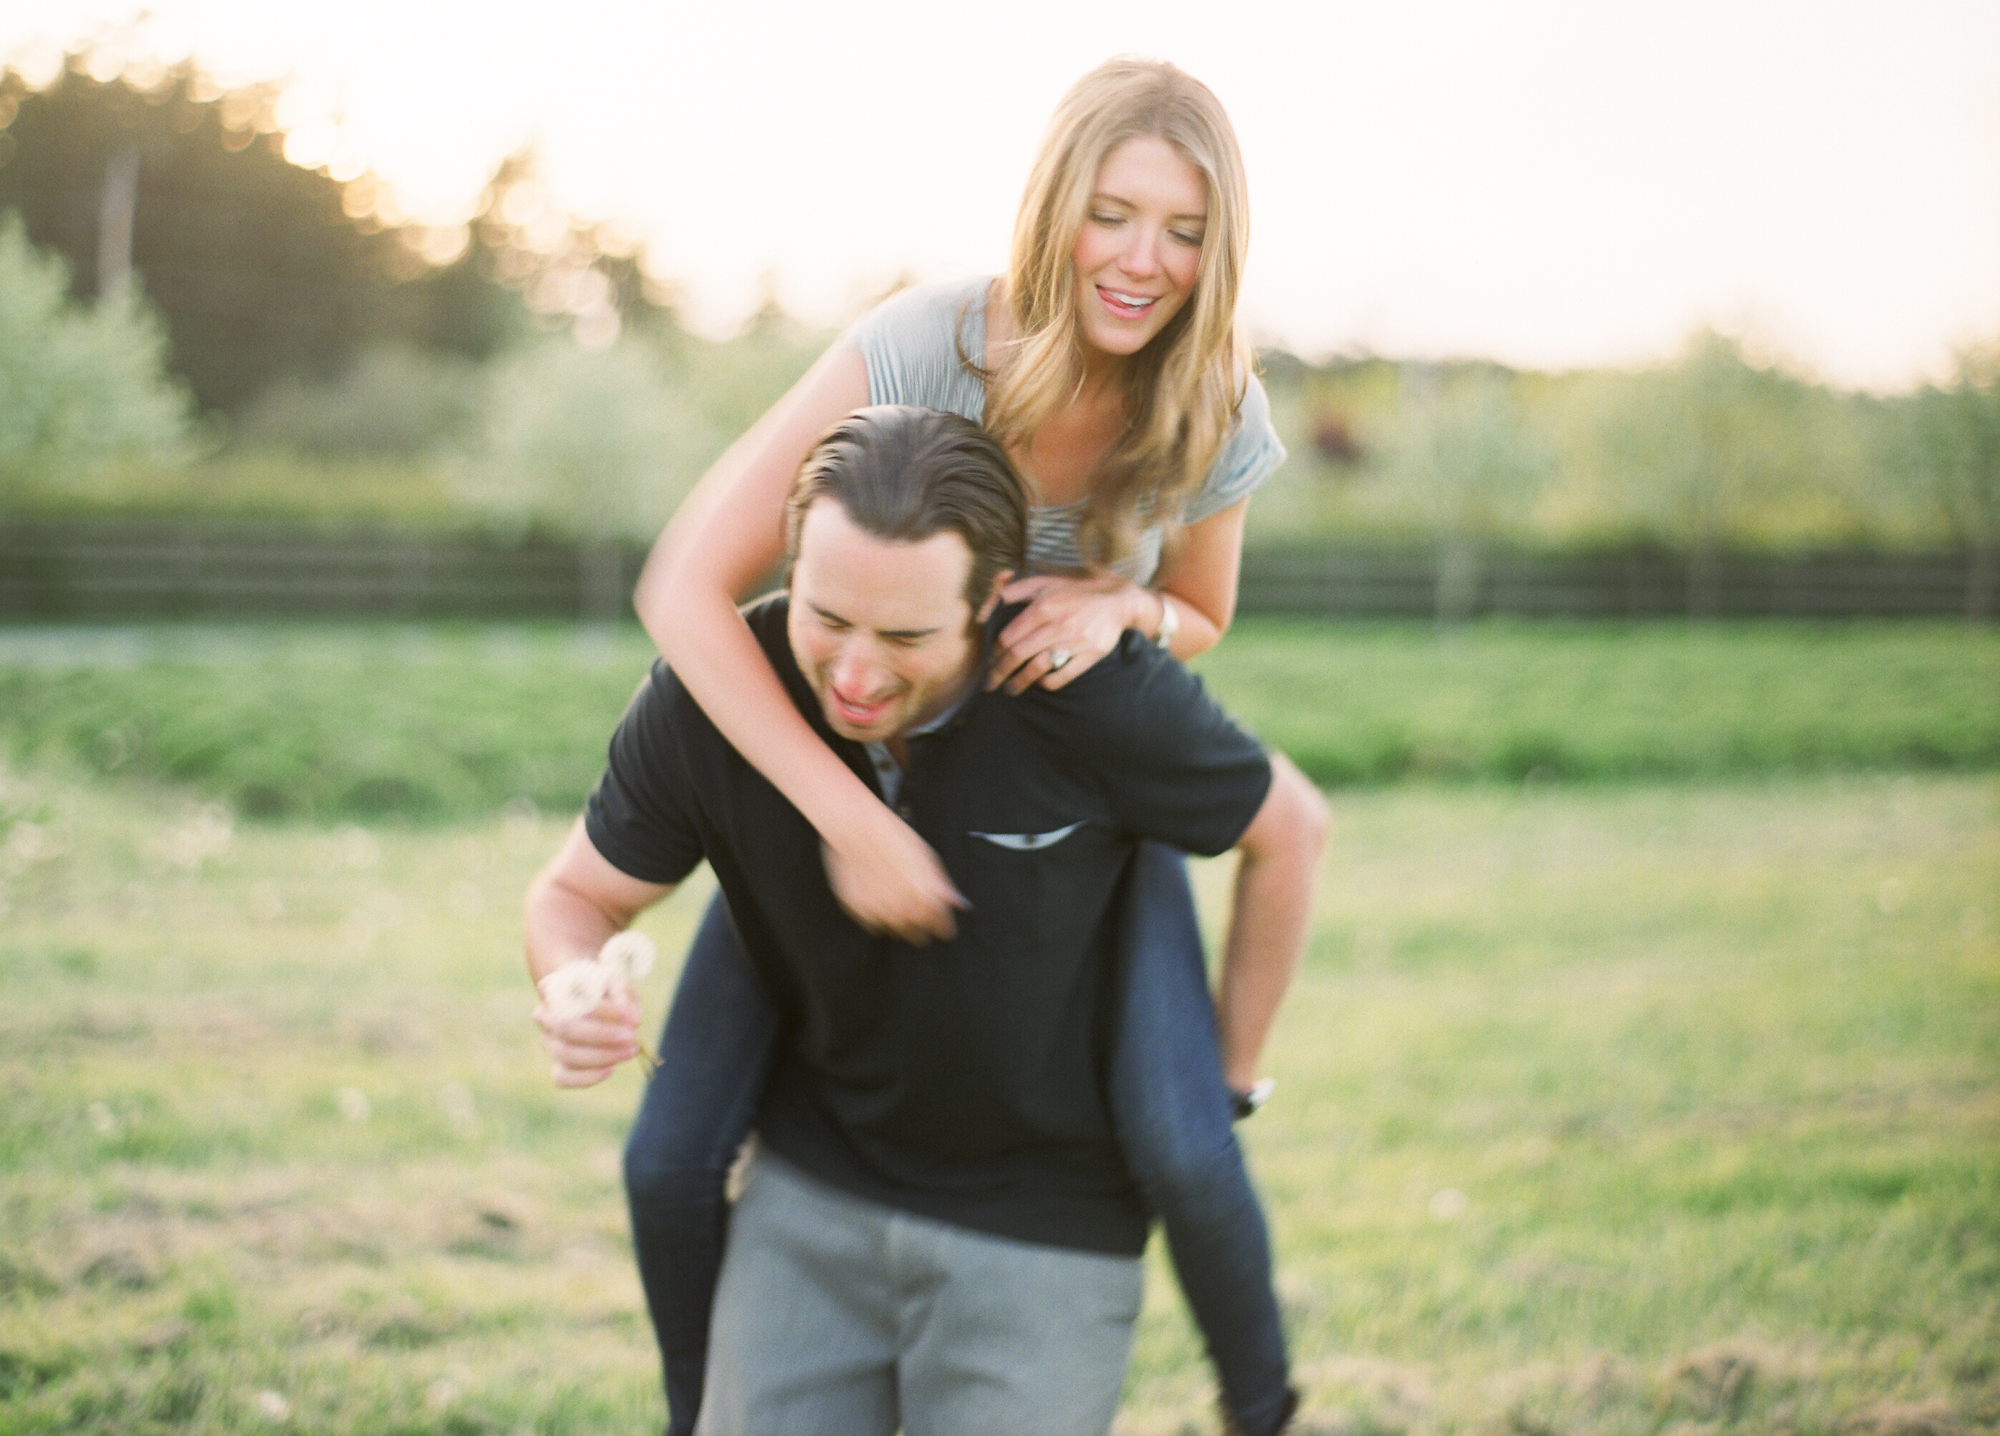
{"x": 910, "y": 343}
{"x": 1248, "y": 457}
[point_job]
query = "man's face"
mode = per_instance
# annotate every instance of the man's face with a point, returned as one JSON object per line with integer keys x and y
{"x": 880, "y": 629}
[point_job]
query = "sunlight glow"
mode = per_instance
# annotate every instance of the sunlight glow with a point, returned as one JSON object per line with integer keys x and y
{"x": 1548, "y": 183}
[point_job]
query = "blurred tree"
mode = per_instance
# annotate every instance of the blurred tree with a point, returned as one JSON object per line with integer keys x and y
{"x": 1951, "y": 440}
{"x": 263, "y": 268}
{"x": 1695, "y": 444}
{"x": 80, "y": 387}
{"x": 1464, "y": 446}
{"x": 595, "y": 442}
{"x": 252, "y": 260}
{"x": 393, "y": 401}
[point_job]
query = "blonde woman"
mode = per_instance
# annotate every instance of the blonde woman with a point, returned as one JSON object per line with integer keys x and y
{"x": 1108, "y": 362}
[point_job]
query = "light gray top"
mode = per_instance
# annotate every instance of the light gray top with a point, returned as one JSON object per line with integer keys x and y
{"x": 911, "y": 343}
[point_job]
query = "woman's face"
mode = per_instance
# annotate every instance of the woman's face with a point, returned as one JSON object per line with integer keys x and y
{"x": 1140, "y": 245}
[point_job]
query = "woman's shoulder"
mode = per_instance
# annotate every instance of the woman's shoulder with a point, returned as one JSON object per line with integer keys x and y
{"x": 924, "y": 312}
{"x": 1249, "y": 454}
{"x": 914, "y": 344}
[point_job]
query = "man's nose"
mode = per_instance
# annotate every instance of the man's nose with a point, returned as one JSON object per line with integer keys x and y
{"x": 856, "y": 669}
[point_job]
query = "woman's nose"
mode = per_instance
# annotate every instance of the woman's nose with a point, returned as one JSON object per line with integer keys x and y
{"x": 1141, "y": 255}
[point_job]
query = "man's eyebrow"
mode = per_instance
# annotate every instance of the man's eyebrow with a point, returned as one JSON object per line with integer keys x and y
{"x": 830, "y": 615}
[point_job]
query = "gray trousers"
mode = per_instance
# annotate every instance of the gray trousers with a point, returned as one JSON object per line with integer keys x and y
{"x": 837, "y": 1316}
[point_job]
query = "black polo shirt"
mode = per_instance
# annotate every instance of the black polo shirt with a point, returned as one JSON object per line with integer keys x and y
{"x": 963, "y": 1080}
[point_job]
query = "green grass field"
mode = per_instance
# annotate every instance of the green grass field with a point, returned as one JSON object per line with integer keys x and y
{"x": 437, "y": 723}
{"x": 1629, "y": 1108}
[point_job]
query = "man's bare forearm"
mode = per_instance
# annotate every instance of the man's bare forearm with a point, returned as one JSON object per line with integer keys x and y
{"x": 576, "y": 902}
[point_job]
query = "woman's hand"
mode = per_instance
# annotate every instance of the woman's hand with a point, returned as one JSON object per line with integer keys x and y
{"x": 1068, "y": 625}
{"x": 887, "y": 878}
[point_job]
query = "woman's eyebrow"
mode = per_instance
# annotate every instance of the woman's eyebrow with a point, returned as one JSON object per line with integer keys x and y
{"x": 1198, "y": 216}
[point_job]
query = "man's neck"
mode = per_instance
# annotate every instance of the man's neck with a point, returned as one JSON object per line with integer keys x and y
{"x": 938, "y": 714}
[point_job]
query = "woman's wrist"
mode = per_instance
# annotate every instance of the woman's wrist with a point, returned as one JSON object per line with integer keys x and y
{"x": 1167, "y": 625}
{"x": 836, "y": 802}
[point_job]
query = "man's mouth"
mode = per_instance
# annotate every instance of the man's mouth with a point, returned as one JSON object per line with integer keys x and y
{"x": 857, "y": 714}
{"x": 1127, "y": 306}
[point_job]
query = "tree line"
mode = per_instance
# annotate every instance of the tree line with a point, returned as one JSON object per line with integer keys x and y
{"x": 172, "y": 287}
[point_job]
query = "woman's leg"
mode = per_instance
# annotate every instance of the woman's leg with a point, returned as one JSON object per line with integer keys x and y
{"x": 715, "y": 1053}
{"x": 1174, "y": 1123}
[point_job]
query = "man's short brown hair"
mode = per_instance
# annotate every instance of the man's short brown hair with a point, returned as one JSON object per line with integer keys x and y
{"x": 903, "y": 473}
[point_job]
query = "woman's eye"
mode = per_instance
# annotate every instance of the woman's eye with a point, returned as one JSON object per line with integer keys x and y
{"x": 1187, "y": 238}
{"x": 1101, "y": 218}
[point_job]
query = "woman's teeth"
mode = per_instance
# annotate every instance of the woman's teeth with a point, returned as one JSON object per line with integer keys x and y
{"x": 1129, "y": 303}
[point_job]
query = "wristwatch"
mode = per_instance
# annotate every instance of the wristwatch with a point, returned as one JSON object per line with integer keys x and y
{"x": 1242, "y": 1104}
{"x": 1170, "y": 624}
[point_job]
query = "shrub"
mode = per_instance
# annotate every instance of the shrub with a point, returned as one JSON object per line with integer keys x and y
{"x": 81, "y": 388}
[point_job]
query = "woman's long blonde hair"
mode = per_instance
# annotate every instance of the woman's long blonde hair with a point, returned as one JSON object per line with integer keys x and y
{"x": 1182, "y": 389}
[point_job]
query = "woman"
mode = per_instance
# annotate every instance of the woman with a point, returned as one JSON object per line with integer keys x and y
{"x": 1108, "y": 362}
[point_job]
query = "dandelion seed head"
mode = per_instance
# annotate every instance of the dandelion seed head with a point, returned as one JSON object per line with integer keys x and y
{"x": 574, "y": 989}
{"x": 628, "y": 955}
{"x": 353, "y": 1104}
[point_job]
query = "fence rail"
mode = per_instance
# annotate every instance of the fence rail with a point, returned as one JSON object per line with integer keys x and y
{"x": 121, "y": 570}
{"x": 1632, "y": 583}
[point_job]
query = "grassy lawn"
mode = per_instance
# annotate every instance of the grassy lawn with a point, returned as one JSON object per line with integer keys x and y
{"x": 1637, "y": 1108}
{"x": 438, "y": 723}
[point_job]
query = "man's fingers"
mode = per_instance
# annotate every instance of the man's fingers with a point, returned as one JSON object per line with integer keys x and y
{"x": 578, "y": 1077}
{"x": 585, "y": 1050}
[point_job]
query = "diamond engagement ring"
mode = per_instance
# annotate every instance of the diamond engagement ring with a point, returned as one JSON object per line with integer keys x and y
{"x": 1059, "y": 659}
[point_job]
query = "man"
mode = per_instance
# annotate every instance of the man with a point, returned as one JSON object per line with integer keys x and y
{"x": 938, "y": 1233}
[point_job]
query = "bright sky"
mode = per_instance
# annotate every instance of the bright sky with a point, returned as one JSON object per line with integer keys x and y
{"x": 1547, "y": 182}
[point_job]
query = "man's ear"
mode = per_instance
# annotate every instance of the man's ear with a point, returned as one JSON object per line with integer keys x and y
{"x": 1000, "y": 581}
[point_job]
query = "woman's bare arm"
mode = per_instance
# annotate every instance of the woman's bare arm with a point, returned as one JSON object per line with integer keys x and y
{"x": 727, "y": 535}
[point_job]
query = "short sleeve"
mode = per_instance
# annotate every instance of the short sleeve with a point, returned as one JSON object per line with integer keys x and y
{"x": 638, "y": 815}
{"x": 1248, "y": 457}
{"x": 1175, "y": 767}
{"x": 911, "y": 343}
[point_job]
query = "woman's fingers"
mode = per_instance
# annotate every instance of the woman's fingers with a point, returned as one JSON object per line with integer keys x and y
{"x": 889, "y": 881}
{"x": 1021, "y": 590}
{"x": 1068, "y": 625}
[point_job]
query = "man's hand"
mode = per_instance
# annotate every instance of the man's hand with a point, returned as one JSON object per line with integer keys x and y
{"x": 889, "y": 881}
{"x": 585, "y": 1050}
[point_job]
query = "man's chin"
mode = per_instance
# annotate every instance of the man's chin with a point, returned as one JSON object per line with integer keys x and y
{"x": 878, "y": 731}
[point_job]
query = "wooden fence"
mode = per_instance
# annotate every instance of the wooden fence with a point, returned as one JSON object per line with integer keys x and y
{"x": 129, "y": 569}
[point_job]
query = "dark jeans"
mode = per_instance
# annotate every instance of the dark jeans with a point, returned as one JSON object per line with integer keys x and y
{"x": 1167, "y": 1097}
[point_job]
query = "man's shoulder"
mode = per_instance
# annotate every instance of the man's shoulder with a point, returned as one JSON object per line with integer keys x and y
{"x": 663, "y": 698}
{"x": 1129, "y": 703}
{"x": 766, "y": 617}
